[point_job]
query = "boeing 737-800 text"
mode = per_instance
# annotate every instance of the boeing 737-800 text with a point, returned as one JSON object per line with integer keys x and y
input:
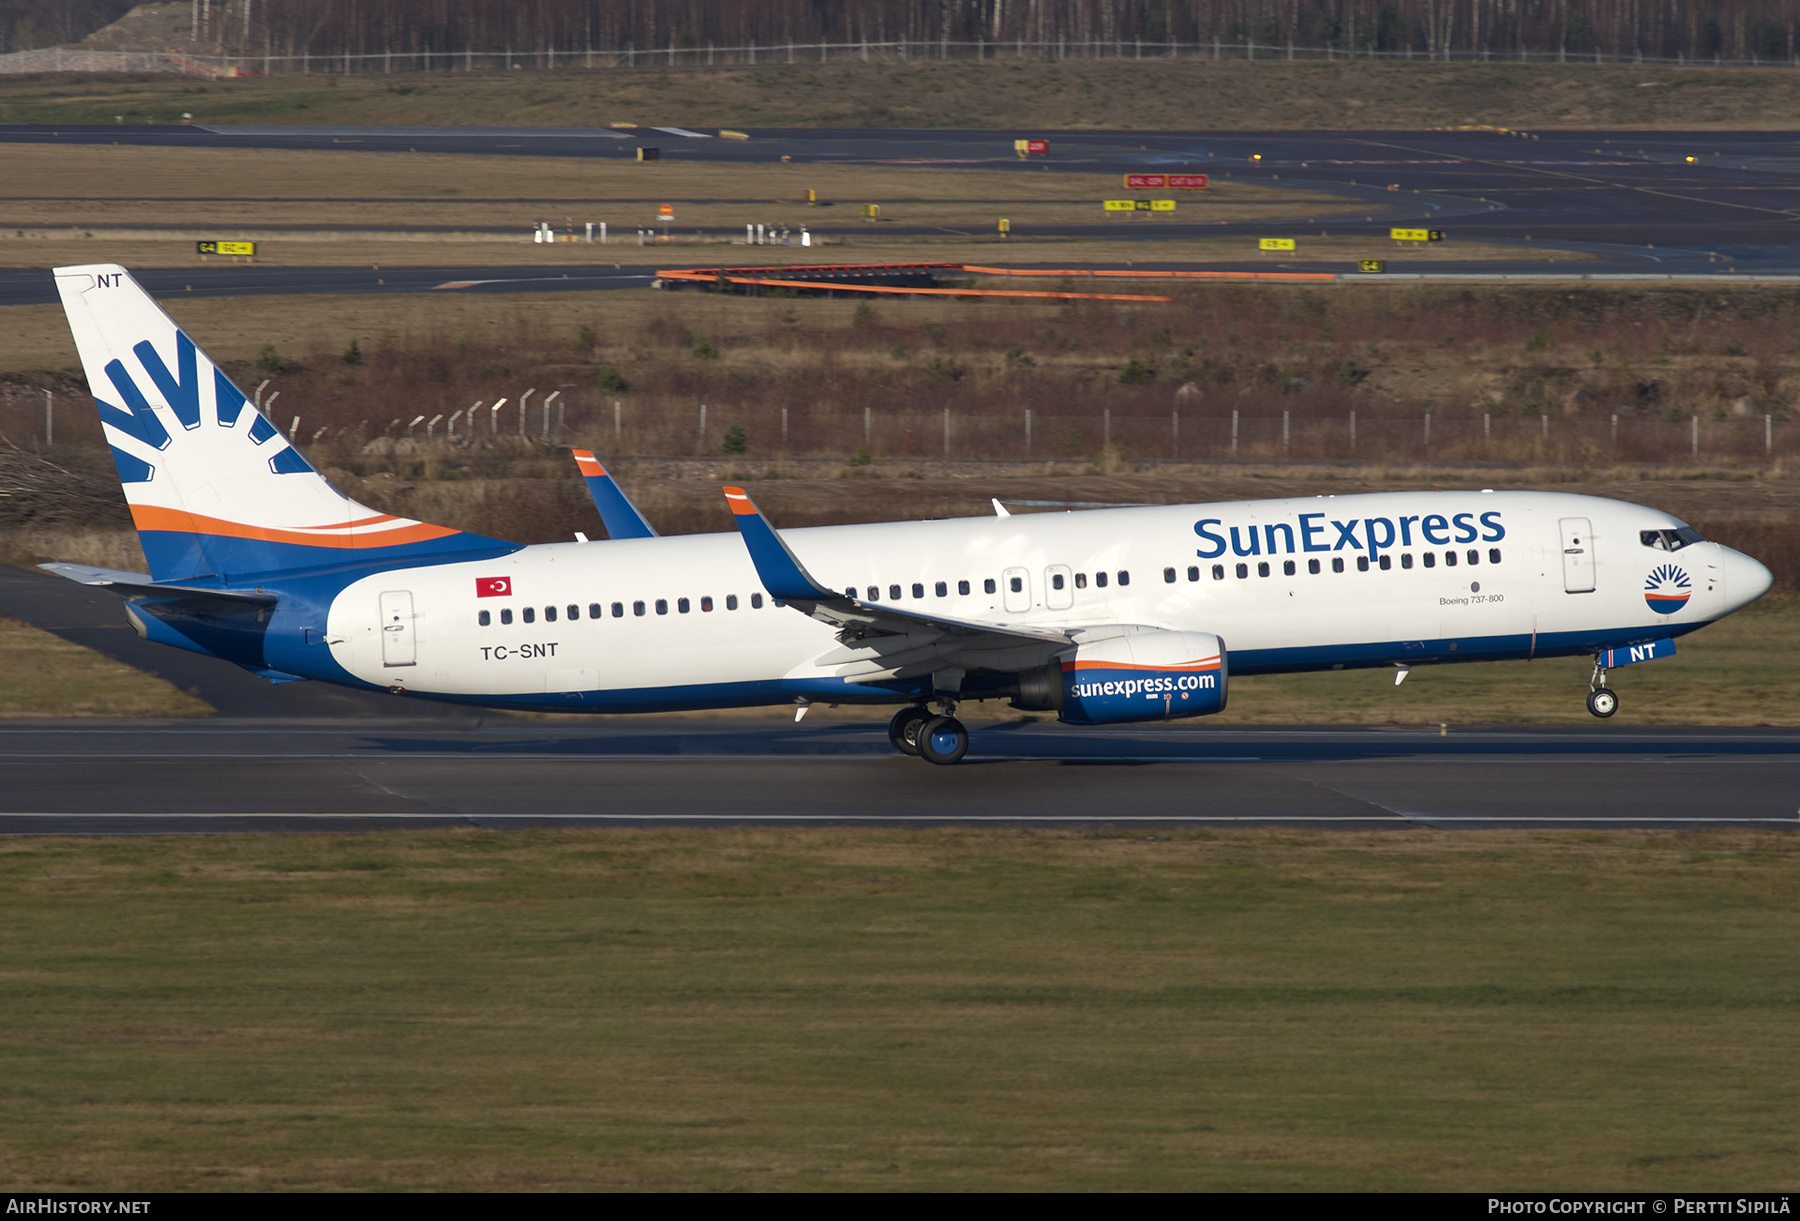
{"x": 1104, "y": 616}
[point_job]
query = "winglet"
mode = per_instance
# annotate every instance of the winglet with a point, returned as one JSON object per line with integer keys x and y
{"x": 782, "y": 575}
{"x": 620, "y": 516}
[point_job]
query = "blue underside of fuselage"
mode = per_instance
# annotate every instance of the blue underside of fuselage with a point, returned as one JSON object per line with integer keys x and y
{"x": 697, "y": 696}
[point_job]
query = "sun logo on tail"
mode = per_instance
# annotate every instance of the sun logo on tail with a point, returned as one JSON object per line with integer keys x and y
{"x": 1666, "y": 589}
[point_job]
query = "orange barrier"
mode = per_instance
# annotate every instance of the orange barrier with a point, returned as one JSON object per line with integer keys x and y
{"x": 1077, "y": 273}
{"x": 824, "y": 275}
{"x": 835, "y": 286}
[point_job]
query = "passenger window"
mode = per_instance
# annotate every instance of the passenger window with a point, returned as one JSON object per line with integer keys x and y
{"x": 574, "y": 611}
{"x": 662, "y": 606}
{"x": 962, "y": 588}
{"x": 681, "y": 606}
{"x": 1016, "y": 584}
{"x": 637, "y": 608}
{"x": 506, "y": 616}
{"x": 988, "y": 585}
{"x": 618, "y": 609}
{"x": 1056, "y": 580}
{"x": 484, "y": 618}
{"x": 893, "y": 593}
{"x": 1474, "y": 556}
{"x": 1193, "y": 572}
{"x": 1449, "y": 559}
{"x": 1218, "y": 572}
{"x": 755, "y": 601}
{"x": 706, "y": 604}
{"x": 593, "y": 610}
{"x": 1493, "y": 555}
{"x": 1124, "y": 578}
{"x": 1312, "y": 566}
{"x": 1362, "y": 563}
{"x": 1430, "y": 558}
{"x": 1081, "y": 580}
{"x": 1168, "y": 577}
{"x": 1386, "y": 562}
{"x": 918, "y": 590}
{"x": 1287, "y": 568}
{"x": 941, "y": 589}
{"x": 874, "y": 593}
{"x": 730, "y": 601}
{"x": 1406, "y": 559}
{"x": 528, "y": 614}
{"x": 1100, "y": 580}
{"x": 549, "y": 614}
{"x": 1262, "y": 569}
{"x": 1337, "y": 563}
{"x": 1243, "y": 570}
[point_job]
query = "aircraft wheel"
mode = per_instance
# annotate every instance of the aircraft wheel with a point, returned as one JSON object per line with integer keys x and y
{"x": 1602, "y": 702}
{"x": 903, "y": 730}
{"x": 943, "y": 740}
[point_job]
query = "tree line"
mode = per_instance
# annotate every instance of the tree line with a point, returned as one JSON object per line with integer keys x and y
{"x": 1663, "y": 29}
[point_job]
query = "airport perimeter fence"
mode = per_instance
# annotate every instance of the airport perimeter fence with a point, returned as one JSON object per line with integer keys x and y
{"x": 628, "y": 429}
{"x": 623, "y": 427}
{"x": 468, "y": 59}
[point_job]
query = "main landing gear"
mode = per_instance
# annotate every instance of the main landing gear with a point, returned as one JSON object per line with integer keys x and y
{"x": 1601, "y": 700}
{"x": 937, "y": 739}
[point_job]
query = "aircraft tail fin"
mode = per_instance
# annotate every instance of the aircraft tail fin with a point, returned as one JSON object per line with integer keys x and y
{"x": 215, "y": 490}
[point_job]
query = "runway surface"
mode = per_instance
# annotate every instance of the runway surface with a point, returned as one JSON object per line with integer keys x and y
{"x": 161, "y": 777}
{"x": 1632, "y": 203}
{"x": 306, "y": 756}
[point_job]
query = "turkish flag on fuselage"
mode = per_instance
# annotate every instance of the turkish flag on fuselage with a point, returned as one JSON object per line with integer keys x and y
{"x": 493, "y": 587}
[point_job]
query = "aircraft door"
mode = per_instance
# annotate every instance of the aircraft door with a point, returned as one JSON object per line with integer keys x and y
{"x": 1578, "y": 556}
{"x": 1059, "y": 587}
{"x": 397, "y": 641}
{"x": 1016, "y": 583}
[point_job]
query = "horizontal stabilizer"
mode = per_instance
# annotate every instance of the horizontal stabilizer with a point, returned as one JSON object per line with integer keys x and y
{"x": 138, "y": 584}
{"x": 621, "y": 518}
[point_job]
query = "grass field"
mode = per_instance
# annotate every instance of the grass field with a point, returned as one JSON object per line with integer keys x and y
{"x": 911, "y": 1010}
{"x": 1028, "y": 96}
{"x": 42, "y": 675}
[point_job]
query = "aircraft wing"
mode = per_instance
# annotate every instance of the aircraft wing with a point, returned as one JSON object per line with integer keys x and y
{"x": 617, "y": 513}
{"x": 883, "y": 641}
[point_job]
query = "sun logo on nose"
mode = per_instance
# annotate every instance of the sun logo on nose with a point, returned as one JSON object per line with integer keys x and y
{"x": 1666, "y": 589}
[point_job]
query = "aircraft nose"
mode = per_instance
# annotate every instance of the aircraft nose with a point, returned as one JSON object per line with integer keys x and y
{"x": 1746, "y": 580}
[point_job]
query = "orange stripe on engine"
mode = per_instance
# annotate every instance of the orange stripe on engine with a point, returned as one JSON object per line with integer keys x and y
{"x": 1200, "y": 663}
{"x": 153, "y": 517}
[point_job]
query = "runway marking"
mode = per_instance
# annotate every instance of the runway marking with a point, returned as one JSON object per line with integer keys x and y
{"x": 949, "y": 819}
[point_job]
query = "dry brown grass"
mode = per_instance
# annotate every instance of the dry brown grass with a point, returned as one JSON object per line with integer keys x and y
{"x": 1027, "y": 96}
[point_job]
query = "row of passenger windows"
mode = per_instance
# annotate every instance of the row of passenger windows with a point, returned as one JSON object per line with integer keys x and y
{"x": 1058, "y": 580}
{"x": 597, "y": 610}
{"x": 1288, "y": 567}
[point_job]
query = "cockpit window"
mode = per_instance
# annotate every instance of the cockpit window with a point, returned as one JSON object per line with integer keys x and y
{"x": 1670, "y": 540}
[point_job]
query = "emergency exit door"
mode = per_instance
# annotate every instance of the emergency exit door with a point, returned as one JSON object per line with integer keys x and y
{"x": 1577, "y": 555}
{"x": 397, "y": 639}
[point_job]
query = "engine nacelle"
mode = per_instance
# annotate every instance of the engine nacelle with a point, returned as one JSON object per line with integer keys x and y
{"x": 1141, "y": 674}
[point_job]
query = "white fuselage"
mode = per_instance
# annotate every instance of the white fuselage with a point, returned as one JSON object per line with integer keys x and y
{"x": 1504, "y": 580}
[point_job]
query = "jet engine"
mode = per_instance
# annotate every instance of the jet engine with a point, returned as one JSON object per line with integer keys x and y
{"x": 1130, "y": 674}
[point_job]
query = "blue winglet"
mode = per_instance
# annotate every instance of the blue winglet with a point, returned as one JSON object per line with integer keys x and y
{"x": 782, "y": 575}
{"x": 617, "y": 513}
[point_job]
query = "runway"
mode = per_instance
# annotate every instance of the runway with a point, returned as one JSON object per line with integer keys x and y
{"x": 1712, "y": 204}
{"x": 312, "y": 775}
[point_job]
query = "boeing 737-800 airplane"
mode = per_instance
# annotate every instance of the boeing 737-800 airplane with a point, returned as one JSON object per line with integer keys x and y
{"x": 1105, "y": 616}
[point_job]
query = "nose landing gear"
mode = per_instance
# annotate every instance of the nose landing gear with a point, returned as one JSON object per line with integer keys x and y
{"x": 1601, "y": 700}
